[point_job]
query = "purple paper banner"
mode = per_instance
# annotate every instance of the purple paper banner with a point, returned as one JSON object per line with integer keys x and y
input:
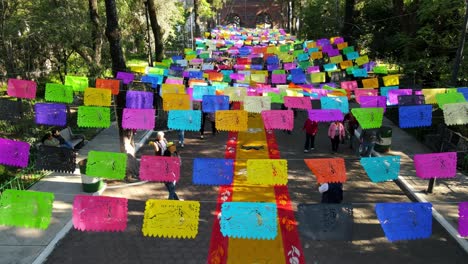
{"x": 367, "y": 101}
{"x": 393, "y": 95}
{"x": 139, "y": 100}
{"x": 138, "y": 118}
{"x": 316, "y": 94}
{"x": 51, "y": 114}
{"x": 313, "y": 69}
{"x": 14, "y": 153}
{"x": 463, "y": 219}
{"x": 126, "y": 77}
{"x": 325, "y": 115}
{"x": 436, "y": 165}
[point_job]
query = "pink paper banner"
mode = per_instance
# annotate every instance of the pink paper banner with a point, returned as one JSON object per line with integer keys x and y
{"x": 325, "y": 115}
{"x": 138, "y": 118}
{"x": 237, "y": 76}
{"x": 174, "y": 81}
{"x": 313, "y": 69}
{"x": 436, "y": 165}
{"x": 349, "y": 85}
{"x": 364, "y": 92}
{"x": 297, "y": 102}
{"x": 99, "y": 213}
{"x": 373, "y": 101}
{"x": 393, "y": 95}
{"x": 316, "y": 94}
{"x": 278, "y": 119}
{"x": 160, "y": 169}
{"x": 278, "y": 78}
{"x": 290, "y": 66}
{"x": 21, "y": 88}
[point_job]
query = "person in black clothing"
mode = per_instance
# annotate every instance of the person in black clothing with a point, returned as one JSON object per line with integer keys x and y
{"x": 171, "y": 151}
{"x": 331, "y": 192}
{"x": 63, "y": 142}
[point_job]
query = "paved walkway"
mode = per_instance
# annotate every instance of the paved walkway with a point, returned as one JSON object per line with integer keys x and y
{"x": 20, "y": 245}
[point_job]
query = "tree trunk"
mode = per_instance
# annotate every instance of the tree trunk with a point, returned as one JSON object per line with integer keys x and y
{"x": 96, "y": 35}
{"x": 113, "y": 36}
{"x": 196, "y": 18}
{"x": 157, "y": 31}
{"x": 348, "y": 24}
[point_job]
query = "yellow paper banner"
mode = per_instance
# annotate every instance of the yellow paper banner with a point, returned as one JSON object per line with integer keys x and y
{"x": 97, "y": 97}
{"x": 430, "y": 94}
{"x": 346, "y": 64}
{"x": 370, "y": 83}
{"x": 267, "y": 171}
{"x": 171, "y": 218}
{"x": 391, "y": 80}
{"x": 317, "y": 55}
{"x": 362, "y": 60}
{"x": 317, "y": 77}
{"x": 258, "y": 78}
{"x": 236, "y": 94}
{"x": 172, "y": 88}
{"x": 341, "y": 46}
{"x": 336, "y": 59}
{"x": 231, "y": 120}
{"x": 256, "y": 104}
{"x": 173, "y": 101}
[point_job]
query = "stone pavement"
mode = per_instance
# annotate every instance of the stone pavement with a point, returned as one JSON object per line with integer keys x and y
{"x": 368, "y": 244}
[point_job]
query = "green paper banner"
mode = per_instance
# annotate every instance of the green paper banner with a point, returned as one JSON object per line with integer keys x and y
{"x": 449, "y": 98}
{"x": 59, "y": 93}
{"x": 93, "y": 116}
{"x": 110, "y": 165}
{"x": 368, "y": 117}
{"x": 79, "y": 83}
{"x": 26, "y": 208}
{"x": 380, "y": 69}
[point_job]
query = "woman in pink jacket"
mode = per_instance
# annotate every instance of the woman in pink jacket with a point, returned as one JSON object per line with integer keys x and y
{"x": 336, "y": 133}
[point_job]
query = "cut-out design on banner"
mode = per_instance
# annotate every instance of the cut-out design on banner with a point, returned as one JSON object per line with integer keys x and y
{"x": 21, "y": 88}
{"x": 436, "y": 165}
{"x": 14, "y": 153}
{"x": 213, "y": 103}
{"x": 411, "y": 100}
{"x": 430, "y": 94}
{"x": 370, "y": 83}
{"x": 58, "y": 93}
{"x": 380, "y": 169}
{"x": 112, "y": 85}
{"x": 463, "y": 219}
{"x": 187, "y": 120}
{"x": 154, "y": 80}
{"x": 236, "y": 94}
{"x": 110, "y": 165}
{"x": 384, "y": 91}
{"x": 349, "y": 85}
{"x": 139, "y": 100}
{"x": 415, "y": 116}
{"x": 339, "y": 102}
{"x": 79, "y": 83}
{"x": 55, "y": 159}
{"x": 211, "y": 171}
{"x": 26, "y": 208}
{"x": 50, "y": 114}
{"x": 297, "y": 102}
{"x": 126, "y": 77}
{"x": 394, "y": 94}
{"x": 327, "y": 170}
{"x": 93, "y": 116}
{"x": 391, "y": 80}
{"x": 100, "y": 213}
{"x": 405, "y": 221}
{"x": 249, "y": 220}
{"x": 373, "y": 101}
{"x": 278, "y": 119}
{"x": 278, "y": 78}
{"x": 317, "y": 77}
{"x": 138, "y": 118}
{"x": 380, "y": 69}
{"x": 231, "y": 120}
{"x": 97, "y": 97}
{"x": 368, "y": 117}
{"x": 160, "y": 169}
{"x": 456, "y": 114}
{"x": 449, "y": 98}
{"x": 326, "y": 221}
{"x": 267, "y": 171}
{"x": 9, "y": 109}
{"x": 257, "y": 104}
{"x": 323, "y": 115}
{"x": 362, "y": 60}
{"x": 168, "y": 88}
{"x": 171, "y": 218}
{"x": 176, "y": 102}
{"x": 364, "y": 92}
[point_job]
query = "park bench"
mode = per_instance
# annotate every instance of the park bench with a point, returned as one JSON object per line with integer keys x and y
{"x": 77, "y": 140}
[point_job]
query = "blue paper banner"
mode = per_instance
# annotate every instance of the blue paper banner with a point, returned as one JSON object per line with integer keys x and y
{"x": 211, "y": 171}
{"x": 352, "y": 55}
{"x": 404, "y": 221}
{"x": 184, "y": 120}
{"x": 249, "y": 220}
{"x": 330, "y": 67}
{"x": 199, "y": 91}
{"x": 213, "y": 103}
{"x": 195, "y": 74}
{"x": 51, "y": 114}
{"x": 385, "y": 89}
{"x": 415, "y": 116}
{"x": 360, "y": 73}
{"x": 380, "y": 169}
{"x": 339, "y": 102}
{"x": 464, "y": 91}
{"x": 155, "y": 80}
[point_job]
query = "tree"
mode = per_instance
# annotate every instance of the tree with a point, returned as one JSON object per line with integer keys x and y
{"x": 157, "y": 31}
{"x": 113, "y": 36}
{"x": 348, "y": 23}
{"x": 196, "y": 16}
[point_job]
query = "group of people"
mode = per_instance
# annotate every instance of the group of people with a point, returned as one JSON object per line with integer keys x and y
{"x": 54, "y": 139}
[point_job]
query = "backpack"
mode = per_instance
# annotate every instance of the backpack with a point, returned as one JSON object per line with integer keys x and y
{"x": 334, "y": 193}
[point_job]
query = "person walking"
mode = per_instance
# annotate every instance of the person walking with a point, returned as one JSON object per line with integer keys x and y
{"x": 311, "y": 129}
{"x": 336, "y": 133}
{"x": 171, "y": 151}
{"x": 331, "y": 192}
{"x": 351, "y": 124}
{"x": 132, "y": 171}
{"x": 160, "y": 145}
{"x": 368, "y": 139}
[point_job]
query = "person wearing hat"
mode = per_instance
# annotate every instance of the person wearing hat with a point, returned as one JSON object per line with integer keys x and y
{"x": 171, "y": 151}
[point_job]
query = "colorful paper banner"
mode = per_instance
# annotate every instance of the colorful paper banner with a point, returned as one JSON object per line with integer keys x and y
{"x": 187, "y": 120}
{"x": 50, "y": 114}
{"x": 368, "y": 117}
{"x": 231, "y": 120}
{"x": 161, "y": 169}
{"x": 58, "y": 93}
{"x": 138, "y": 118}
{"x": 110, "y": 165}
{"x": 456, "y": 114}
{"x": 213, "y": 103}
{"x": 112, "y": 85}
{"x": 338, "y": 102}
{"x": 380, "y": 169}
{"x": 139, "y": 100}
{"x": 415, "y": 116}
{"x": 14, "y": 153}
{"x": 211, "y": 171}
{"x": 278, "y": 119}
{"x": 436, "y": 165}
{"x": 297, "y": 102}
{"x": 267, "y": 171}
{"x": 55, "y": 159}
{"x": 21, "y": 88}
{"x": 327, "y": 170}
{"x": 94, "y": 116}
{"x": 79, "y": 83}
{"x": 321, "y": 115}
{"x": 257, "y": 104}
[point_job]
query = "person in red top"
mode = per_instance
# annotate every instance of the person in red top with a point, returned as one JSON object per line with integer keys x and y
{"x": 311, "y": 129}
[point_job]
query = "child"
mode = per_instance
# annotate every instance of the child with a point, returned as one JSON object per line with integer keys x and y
{"x": 311, "y": 129}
